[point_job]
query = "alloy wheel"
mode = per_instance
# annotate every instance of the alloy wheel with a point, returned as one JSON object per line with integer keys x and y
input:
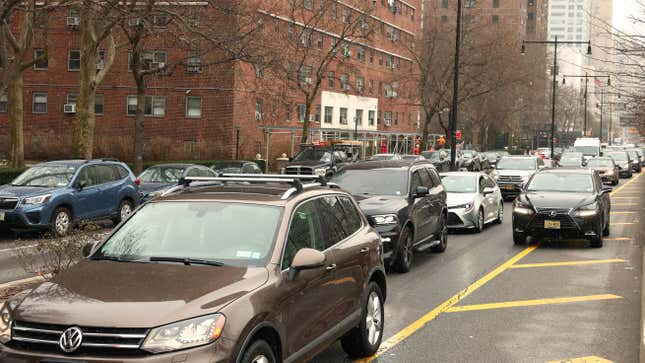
{"x": 407, "y": 251}
{"x": 373, "y": 323}
{"x": 62, "y": 223}
{"x": 500, "y": 213}
{"x": 260, "y": 359}
{"x": 480, "y": 221}
{"x": 126, "y": 210}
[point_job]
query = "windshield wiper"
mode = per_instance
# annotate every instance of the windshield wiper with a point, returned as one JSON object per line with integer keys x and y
{"x": 115, "y": 258}
{"x": 187, "y": 261}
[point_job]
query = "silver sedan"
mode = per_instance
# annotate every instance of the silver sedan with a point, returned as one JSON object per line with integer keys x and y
{"x": 474, "y": 199}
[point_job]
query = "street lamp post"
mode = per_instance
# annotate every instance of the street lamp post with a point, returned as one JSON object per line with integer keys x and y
{"x": 586, "y": 77}
{"x": 455, "y": 92}
{"x": 237, "y": 142}
{"x": 555, "y": 43}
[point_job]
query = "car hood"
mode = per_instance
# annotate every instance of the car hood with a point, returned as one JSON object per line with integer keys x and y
{"x": 117, "y": 294}
{"x": 515, "y": 172}
{"x": 147, "y": 188}
{"x": 374, "y": 205}
{"x": 19, "y": 191}
{"x": 454, "y": 199}
{"x": 310, "y": 163}
{"x": 556, "y": 200}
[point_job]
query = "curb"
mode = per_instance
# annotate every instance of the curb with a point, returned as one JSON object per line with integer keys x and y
{"x": 642, "y": 318}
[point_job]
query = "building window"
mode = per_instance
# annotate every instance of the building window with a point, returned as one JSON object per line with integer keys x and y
{"x": 370, "y": 118}
{"x": 444, "y": 18}
{"x": 329, "y": 112}
{"x": 194, "y": 64}
{"x": 359, "y": 117}
{"x": 380, "y": 88}
{"x": 360, "y": 85}
{"x": 3, "y": 103}
{"x": 290, "y": 31}
{"x": 155, "y": 106}
{"x": 361, "y": 53}
{"x": 74, "y": 60}
{"x": 389, "y": 62}
{"x": 344, "y": 82}
{"x": 39, "y": 103}
{"x": 444, "y": 4}
{"x": 331, "y": 79}
{"x": 99, "y": 103}
{"x": 370, "y": 86}
{"x": 495, "y": 3}
{"x": 258, "y": 110}
{"x": 346, "y": 50}
{"x": 72, "y": 98}
{"x": 470, "y": 3}
{"x": 320, "y": 40}
{"x": 396, "y": 118}
{"x": 308, "y": 4}
{"x": 317, "y": 114}
{"x": 388, "y": 118}
{"x": 160, "y": 19}
{"x": 302, "y": 112}
{"x": 287, "y": 112}
{"x": 193, "y": 107}
{"x": 531, "y": 16}
{"x": 409, "y": 119}
{"x": 343, "y": 116}
{"x": 42, "y": 64}
{"x": 306, "y": 38}
{"x": 371, "y": 57}
{"x": 151, "y": 59}
{"x": 495, "y": 19}
{"x": 334, "y": 10}
{"x": 380, "y": 59}
{"x": 378, "y": 119}
{"x": 347, "y": 15}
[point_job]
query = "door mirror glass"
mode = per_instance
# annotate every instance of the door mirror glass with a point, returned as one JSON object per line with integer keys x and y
{"x": 87, "y": 249}
{"x": 421, "y": 192}
{"x": 488, "y": 190}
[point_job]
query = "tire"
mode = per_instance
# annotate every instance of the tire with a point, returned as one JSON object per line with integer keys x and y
{"x": 125, "y": 209}
{"x": 519, "y": 238}
{"x": 441, "y": 247}
{"x": 61, "y": 222}
{"x": 615, "y": 182}
{"x": 365, "y": 339}
{"x": 606, "y": 231}
{"x": 480, "y": 222}
{"x": 259, "y": 352}
{"x": 405, "y": 252}
{"x": 596, "y": 242}
{"x": 500, "y": 213}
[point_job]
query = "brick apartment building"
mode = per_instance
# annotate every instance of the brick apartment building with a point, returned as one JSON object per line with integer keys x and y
{"x": 198, "y": 111}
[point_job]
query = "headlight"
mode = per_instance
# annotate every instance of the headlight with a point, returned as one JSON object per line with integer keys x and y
{"x": 5, "y": 323}
{"x": 320, "y": 171}
{"x": 521, "y": 208}
{"x": 156, "y": 193}
{"x": 609, "y": 172}
{"x": 185, "y": 334}
{"x": 37, "y": 200}
{"x": 495, "y": 175}
{"x": 466, "y": 206}
{"x": 386, "y": 219}
{"x": 588, "y": 210}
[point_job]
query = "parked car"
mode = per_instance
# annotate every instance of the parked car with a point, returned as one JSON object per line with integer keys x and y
{"x": 236, "y": 167}
{"x": 404, "y": 201}
{"x": 492, "y": 157}
{"x": 439, "y": 158}
{"x": 572, "y": 160}
{"x": 57, "y": 194}
{"x": 563, "y": 203}
{"x": 472, "y": 161}
{"x": 606, "y": 167}
{"x": 412, "y": 157}
{"x": 624, "y": 162}
{"x": 316, "y": 160}
{"x": 377, "y": 157}
{"x": 636, "y": 160}
{"x": 513, "y": 171}
{"x": 474, "y": 199}
{"x": 159, "y": 178}
{"x": 260, "y": 273}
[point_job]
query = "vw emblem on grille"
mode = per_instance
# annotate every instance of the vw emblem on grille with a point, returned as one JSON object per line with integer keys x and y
{"x": 553, "y": 213}
{"x": 71, "y": 339}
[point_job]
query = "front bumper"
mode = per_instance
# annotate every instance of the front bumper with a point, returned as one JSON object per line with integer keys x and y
{"x": 608, "y": 178}
{"x": 570, "y": 226}
{"x": 219, "y": 352}
{"x": 462, "y": 218}
{"x": 509, "y": 189}
{"x": 390, "y": 234}
{"x": 26, "y": 217}
{"x": 624, "y": 173}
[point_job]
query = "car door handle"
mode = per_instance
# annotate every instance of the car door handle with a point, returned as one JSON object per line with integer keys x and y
{"x": 365, "y": 250}
{"x": 331, "y": 267}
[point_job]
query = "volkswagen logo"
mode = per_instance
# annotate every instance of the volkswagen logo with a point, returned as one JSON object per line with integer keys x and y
{"x": 71, "y": 339}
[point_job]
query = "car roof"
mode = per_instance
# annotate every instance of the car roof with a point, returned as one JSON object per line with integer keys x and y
{"x": 78, "y": 162}
{"x": 174, "y": 165}
{"x": 520, "y": 157}
{"x": 386, "y": 164}
{"x": 568, "y": 171}
{"x": 463, "y": 173}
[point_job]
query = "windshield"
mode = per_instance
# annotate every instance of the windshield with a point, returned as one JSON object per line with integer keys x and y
{"x": 46, "y": 176}
{"x": 211, "y": 231}
{"x": 373, "y": 181}
{"x": 619, "y": 156}
{"x": 460, "y": 183}
{"x": 587, "y": 150}
{"x": 431, "y": 155}
{"x": 491, "y": 156}
{"x": 467, "y": 154}
{"x": 226, "y": 166}
{"x": 516, "y": 164}
{"x": 602, "y": 163}
{"x": 633, "y": 154}
{"x": 162, "y": 174}
{"x": 314, "y": 154}
{"x": 561, "y": 182}
{"x": 571, "y": 160}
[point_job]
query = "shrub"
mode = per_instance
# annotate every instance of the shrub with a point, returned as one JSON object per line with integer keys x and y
{"x": 9, "y": 174}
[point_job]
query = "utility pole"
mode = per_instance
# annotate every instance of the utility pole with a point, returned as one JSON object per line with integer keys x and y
{"x": 555, "y": 43}
{"x": 455, "y": 92}
{"x": 586, "y": 77}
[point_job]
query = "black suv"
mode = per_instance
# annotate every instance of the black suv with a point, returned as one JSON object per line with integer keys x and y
{"x": 404, "y": 201}
{"x": 315, "y": 160}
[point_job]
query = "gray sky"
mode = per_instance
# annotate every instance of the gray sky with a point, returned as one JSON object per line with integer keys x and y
{"x": 623, "y": 10}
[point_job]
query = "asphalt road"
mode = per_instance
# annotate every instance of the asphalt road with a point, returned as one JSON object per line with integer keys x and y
{"x": 434, "y": 313}
{"x": 587, "y": 304}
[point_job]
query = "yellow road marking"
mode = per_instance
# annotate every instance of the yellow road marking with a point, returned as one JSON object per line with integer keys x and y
{"x": 622, "y": 223}
{"x": 624, "y": 212}
{"x": 567, "y": 263}
{"x": 444, "y": 306}
{"x": 519, "y": 303}
{"x": 626, "y": 184}
{"x": 618, "y": 239}
{"x": 622, "y": 204}
{"x": 589, "y": 359}
{"x": 622, "y": 198}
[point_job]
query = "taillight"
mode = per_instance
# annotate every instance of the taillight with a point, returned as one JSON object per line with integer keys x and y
{"x": 137, "y": 182}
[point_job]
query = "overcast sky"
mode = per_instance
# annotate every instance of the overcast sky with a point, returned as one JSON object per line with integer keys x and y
{"x": 623, "y": 10}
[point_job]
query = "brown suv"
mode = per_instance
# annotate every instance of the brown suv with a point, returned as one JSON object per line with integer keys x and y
{"x": 227, "y": 272}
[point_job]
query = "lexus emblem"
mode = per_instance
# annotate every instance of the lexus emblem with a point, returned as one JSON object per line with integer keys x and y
{"x": 553, "y": 213}
{"x": 71, "y": 339}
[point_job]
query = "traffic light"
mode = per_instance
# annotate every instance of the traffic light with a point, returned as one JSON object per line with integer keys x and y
{"x": 458, "y": 134}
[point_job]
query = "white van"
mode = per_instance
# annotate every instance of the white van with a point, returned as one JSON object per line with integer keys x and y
{"x": 588, "y": 146}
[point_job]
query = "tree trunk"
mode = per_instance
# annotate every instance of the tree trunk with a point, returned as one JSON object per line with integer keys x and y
{"x": 14, "y": 88}
{"x": 424, "y": 135}
{"x": 305, "y": 125}
{"x": 83, "y": 133}
{"x": 138, "y": 125}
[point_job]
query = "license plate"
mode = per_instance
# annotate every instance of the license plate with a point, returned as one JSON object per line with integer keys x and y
{"x": 1, "y": 216}
{"x": 551, "y": 224}
{"x": 509, "y": 187}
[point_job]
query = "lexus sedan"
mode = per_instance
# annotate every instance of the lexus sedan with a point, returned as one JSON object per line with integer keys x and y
{"x": 563, "y": 203}
{"x": 474, "y": 199}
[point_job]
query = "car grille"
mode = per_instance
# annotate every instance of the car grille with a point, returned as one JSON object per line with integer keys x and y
{"x": 295, "y": 170}
{"x": 566, "y": 222}
{"x": 96, "y": 341}
{"x": 556, "y": 210}
{"x": 8, "y": 203}
{"x": 453, "y": 219}
{"x": 509, "y": 179}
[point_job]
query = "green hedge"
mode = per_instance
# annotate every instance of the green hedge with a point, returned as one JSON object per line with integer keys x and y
{"x": 9, "y": 174}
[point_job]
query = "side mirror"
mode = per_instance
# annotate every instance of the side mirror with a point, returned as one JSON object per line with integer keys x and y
{"x": 488, "y": 190}
{"x": 306, "y": 259}
{"x": 81, "y": 185}
{"x": 87, "y": 249}
{"x": 421, "y": 192}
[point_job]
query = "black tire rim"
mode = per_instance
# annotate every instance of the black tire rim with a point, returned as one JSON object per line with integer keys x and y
{"x": 500, "y": 213}
{"x": 407, "y": 251}
{"x": 480, "y": 221}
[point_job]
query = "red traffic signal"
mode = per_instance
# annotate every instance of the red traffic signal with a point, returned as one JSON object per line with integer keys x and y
{"x": 458, "y": 134}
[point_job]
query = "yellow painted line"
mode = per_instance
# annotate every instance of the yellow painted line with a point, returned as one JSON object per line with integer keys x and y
{"x": 589, "y": 359}
{"x": 622, "y": 204}
{"x": 567, "y": 263}
{"x": 626, "y": 184}
{"x": 622, "y": 223}
{"x": 617, "y": 239}
{"x": 520, "y": 303}
{"x": 624, "y": 212}
{"x": 444, "y": 306}
{"x": 622, "y": 197}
